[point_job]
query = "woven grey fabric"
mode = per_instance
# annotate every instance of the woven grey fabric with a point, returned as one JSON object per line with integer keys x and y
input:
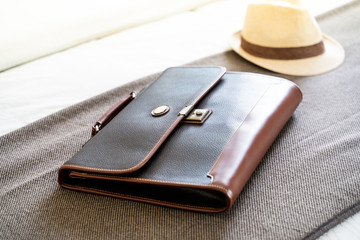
{"x": 308, "y": 181}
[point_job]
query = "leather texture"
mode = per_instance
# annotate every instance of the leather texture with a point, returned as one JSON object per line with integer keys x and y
{"x": 196, "y": 167}
{"x": 135, "y": 134}
{"x": 111, "y": 113}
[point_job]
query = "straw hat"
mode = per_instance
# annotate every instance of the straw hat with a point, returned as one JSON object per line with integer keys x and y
{"x": 283, "y": 37}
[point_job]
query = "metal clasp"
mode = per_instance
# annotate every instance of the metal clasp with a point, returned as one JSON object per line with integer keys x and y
{"x": 97, "y": 127}
{"x": 198, "y": 116}
{"x": 186, "y": 110}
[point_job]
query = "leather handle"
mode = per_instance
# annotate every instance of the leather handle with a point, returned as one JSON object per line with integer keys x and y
{"x": 111, "y": 113}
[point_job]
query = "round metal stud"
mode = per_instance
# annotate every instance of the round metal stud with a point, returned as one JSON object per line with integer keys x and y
{"x": 198, "y": 113}
{"x": 160, "y": 110}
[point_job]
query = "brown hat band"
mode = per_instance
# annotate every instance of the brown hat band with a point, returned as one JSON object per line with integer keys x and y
{"x": 288, "y": 53}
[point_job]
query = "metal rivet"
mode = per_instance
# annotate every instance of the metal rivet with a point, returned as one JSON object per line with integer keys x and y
{"x": 160, "y": 110}
{"x": 198, "y": 113}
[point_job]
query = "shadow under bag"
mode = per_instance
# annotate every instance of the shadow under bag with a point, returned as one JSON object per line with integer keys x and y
{"x": 191, "y": 140}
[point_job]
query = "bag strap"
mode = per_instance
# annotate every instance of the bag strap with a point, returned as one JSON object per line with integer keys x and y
{"x": 111, "y": 113}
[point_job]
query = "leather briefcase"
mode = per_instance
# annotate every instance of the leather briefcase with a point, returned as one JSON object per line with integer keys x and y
{"x": 190, "y": 140}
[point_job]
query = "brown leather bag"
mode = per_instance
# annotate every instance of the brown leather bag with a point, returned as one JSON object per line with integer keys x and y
{"x": 191, "y": 140}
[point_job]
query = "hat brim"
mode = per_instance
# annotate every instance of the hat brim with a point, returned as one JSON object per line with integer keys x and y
{"x": 332, "y": 57}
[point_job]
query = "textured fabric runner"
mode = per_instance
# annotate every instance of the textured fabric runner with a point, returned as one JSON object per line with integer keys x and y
{"x": 308, "y": 181}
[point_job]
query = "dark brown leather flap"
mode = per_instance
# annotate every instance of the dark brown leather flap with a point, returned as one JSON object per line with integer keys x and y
{"x": 134, "y": 135}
